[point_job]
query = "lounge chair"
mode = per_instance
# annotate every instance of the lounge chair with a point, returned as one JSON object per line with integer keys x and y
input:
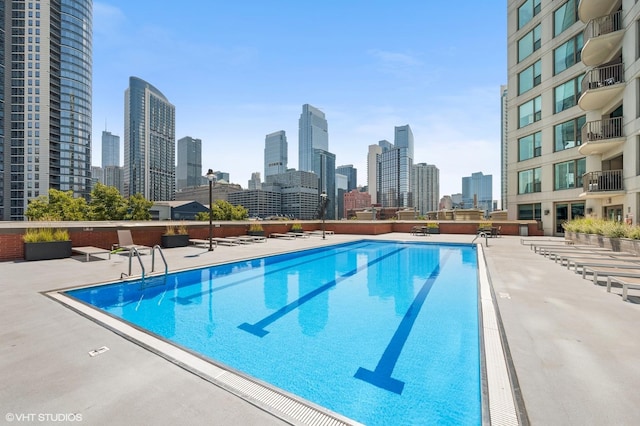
{"x": 604, "y": 271}
{"x": 125, "y": 242}
{"x": 286, "y": 236}
{"x": 625, "y": 282}
{"x": 227, "y": 241}
{"x": 203, "y": 243}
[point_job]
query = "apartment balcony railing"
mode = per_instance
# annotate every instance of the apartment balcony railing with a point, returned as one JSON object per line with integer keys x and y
{"x": 602, "y": 39}
{"x": 602, "y": 181}
{"x": 590, "y": 9}
{"x": 600, "y": 86}
{"x": 607, "y": 128}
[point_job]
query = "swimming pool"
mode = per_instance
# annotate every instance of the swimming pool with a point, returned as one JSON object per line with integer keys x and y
{"x": 381, "y": 332}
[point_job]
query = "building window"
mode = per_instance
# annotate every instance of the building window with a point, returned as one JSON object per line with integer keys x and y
{"x": 567, "y": 94}
{"x": 529, "y": 181}
{"x": 565, "y": 16}
{"x": 530, "y": 211}
{"x": 529, "y": 43}
{"x": 568, "y": 54}
{"x": 527, "y": 11}
{"x": 530, "y": 112}
{"x": 568, "y": 175}
{"x": 530, "y": 78}
{"x": 530, "y": 146}
{"x": 568, "y": 134}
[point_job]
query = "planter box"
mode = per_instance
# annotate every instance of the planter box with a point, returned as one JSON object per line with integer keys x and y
{"x": 171, "y": 241}
{"x": 256, "y": 233}
{"x": 47, "y": 250}
{"x": 433, "y": 230}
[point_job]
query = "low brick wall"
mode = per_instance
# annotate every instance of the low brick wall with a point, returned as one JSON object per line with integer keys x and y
{"x": 104, "y": 234}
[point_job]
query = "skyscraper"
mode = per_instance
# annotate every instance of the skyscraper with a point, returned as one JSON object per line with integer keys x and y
{"x": 351, "y": 173}
{"x": 45, "y": 124}
{"x": 149, "y": 142}
{"x": 373, "y": 161}
{"x": 313, "y": 134}
{"x": 477, "y": 191}
{"x": 324, "y": 166}
{"x": 394, "y": 170}
{"x": 275, "y": 153}
{"x": 110, "y": 149}
{"x": 189, "y": 168}
{"x": 573, "y": 103}
{"x": 425, "y": 187}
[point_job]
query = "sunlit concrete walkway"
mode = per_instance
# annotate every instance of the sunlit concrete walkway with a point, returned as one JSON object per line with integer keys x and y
{"x": 573, "y": 345}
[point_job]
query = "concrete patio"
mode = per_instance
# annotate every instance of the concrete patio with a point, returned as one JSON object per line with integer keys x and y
{"x": 573, "y": 345}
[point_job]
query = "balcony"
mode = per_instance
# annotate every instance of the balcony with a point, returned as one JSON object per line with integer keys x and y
{"x": 600, "y": 86}
{"x": 602, "y": 39}
{"x": 591, "y": 9}
{"x": 602, "y": 184}
{"x": 599, "y": 137}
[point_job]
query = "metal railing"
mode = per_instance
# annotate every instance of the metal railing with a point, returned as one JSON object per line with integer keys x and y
{"x": 603, "y": 76}
{"x": 607, "y": 128}
{"x": 603, "y": 25}
{"x": 604, "y": 180}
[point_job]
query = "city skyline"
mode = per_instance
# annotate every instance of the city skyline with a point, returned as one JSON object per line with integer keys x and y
{"x": 234, "y": 80}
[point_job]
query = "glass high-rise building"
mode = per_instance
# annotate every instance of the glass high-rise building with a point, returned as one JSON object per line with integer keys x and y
{"x": 313, "y": 134}
{"x": 45, "y": 123}
{"x": 149, "y": 142}
{"x": 110, "y": 149}
{"x": 189, "y": 168}
{"x": 275, "y": 153}
{"x": 425, "y": 187}
{"x": 351, "y": 173}
{"x": 477, "y": 191}
{"x": 395, "y": 163}
{"x": 324, "y": 166}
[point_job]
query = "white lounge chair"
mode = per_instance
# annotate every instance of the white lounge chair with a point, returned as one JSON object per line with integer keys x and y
{"x": 625, "y": 282}
{"x": 125, "y": 241}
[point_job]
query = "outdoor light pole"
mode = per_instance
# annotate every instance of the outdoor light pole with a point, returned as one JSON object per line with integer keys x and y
{"x": 323, "y": 197}
{"x": 210, "y": 177}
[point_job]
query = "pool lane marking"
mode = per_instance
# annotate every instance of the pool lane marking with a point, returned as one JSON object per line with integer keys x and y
{"x": 381, "y": 376}
{"x": 184, "y": 300}
{"x": 258, "y": 327}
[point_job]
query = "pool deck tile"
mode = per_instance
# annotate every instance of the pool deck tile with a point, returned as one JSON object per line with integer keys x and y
{"x": 573, "y": 346}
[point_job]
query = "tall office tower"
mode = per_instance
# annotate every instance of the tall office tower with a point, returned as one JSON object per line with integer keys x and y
{"x": 275, "y": 153}
{"x": 313, "y": 134}
{"x": 110, "y": 149}
{"x": 425, "y": 187}
{"x": 504, "y": 148}
{"x": 351, "y": 173}
{"x": 372, "y": 171}
{"x": 149, "y": 142}
{"x": 221, "y": 176}
{"x": 255, "y": 182}
{"x": 324, "y": 166}
{"x": 341, "y": 188}
{"x": 572, "y": 110}
{"x": 189, "y": 168}
{"x": 394, "y": 170}
{"x": 46, "y": 116}
{"x": 477, "y": 191}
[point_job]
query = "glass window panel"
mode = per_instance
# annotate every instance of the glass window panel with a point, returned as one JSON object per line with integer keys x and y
{"x": 565, "y": 16}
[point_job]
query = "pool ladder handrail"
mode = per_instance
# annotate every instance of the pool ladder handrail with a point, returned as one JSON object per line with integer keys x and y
{"x": 134, "y": 251}
{"x": 482, "y": 234}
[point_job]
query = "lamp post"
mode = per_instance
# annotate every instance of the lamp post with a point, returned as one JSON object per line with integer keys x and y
{"x": 323, "y": 197}
{"x": 210, "y": 177}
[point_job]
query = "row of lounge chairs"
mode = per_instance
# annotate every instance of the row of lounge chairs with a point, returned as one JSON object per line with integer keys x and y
{"x": 600, "y": 265}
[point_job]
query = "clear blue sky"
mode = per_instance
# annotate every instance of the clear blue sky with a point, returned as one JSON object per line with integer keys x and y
{"x": 238, "y": 70}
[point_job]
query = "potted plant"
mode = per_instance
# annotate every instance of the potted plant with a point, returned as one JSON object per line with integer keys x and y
{"x": 296, "y": 228}
{"x": 433, "y": 228}
{"x": 175, "y": 236}
{"x": 256, "y": 230}
{"x": 46, "y": 243}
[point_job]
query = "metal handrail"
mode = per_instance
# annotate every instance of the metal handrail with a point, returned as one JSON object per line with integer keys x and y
{"x": 607, "y": 128}
{"x": 133, "y": 251}
{"x": 603, "y": 25}
{"x": 153, "y": 259}
{"x": 603, "y": 76}
{"x": 601, "y": 181}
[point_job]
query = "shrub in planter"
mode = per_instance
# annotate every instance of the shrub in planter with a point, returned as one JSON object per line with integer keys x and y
{"x": 256, "y": 230}
{"x": 433, "y": 228}
{"x": 175, "y": 236}
{"x": 46, "y": 243}
{"x": 297, "y": 228}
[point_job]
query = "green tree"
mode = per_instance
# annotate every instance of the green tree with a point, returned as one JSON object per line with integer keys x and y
{"x": 107, "y": 203}
{"x": 138, "y": 208}
{"x": 58, "y": 205}
{"x": 224, "y": 210}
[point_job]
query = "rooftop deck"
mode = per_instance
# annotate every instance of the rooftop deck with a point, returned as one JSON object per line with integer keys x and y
{"x": 573, "y": 345}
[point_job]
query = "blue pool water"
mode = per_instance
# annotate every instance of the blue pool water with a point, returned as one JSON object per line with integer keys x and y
{"x": 381, "y": 332}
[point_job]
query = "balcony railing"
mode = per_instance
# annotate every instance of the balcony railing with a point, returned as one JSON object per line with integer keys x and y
{"x": 607, "y": 128}
{"x": 603, "y": 76}
{"x": 603, "y": 25}
{"x": 601, "y": 181}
